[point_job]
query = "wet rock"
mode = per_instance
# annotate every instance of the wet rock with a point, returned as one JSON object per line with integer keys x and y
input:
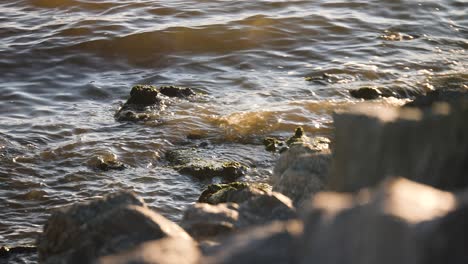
{"x": 106, "y": 163}
{"x": 274, "y": 243}
{"x": 373, "y": 142}
{"x": 235, "y": 192}
{"x": 144, "y": 99}
{"x": 204, "y": 220}
{"x": 188, "y": 161}
{"x": 83, "y": 232}
{"x": 163, "y": 251}
{"x": 302, "y": 171}
{"x": 451, "y": 96}
{"x": 384, "y": 226}
{"x": 396, "y": 36}
{"x": 366, "y": 93}
{"x": 175, "y": 91}
{"x": 143, "y": 95}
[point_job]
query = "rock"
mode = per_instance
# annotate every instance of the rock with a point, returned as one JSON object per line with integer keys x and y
{"x": 446, "y": 242}
{"x": 450, "y": 96}
{"x": 301, "y": 171}
{"x": 83, "y": 232}
{"x": 236, "y": 192}
{"x": 265, "y": 208}
{"x": 175, "y": 91}
{"x": 106, "y": 163}
{"x": 256, "y": 207}
{"x": 188, "y": 161}
{"x": 366, "y": 93}
{"x": 204, "y": 220}
{"x": 385, "y": 226}
{"x": 143, "y": 101}
{"x": 373, "y": 142}
{"x": 144, "y": 95}
{"x": 276, "y": 145}
{"x": 274, "y": 243}
{"x": 163, "y": 251}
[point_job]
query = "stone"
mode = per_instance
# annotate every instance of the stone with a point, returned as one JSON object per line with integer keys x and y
{"x": 235, "y": 192}
{"x": 450, "y": 96}
{"x": 366, "y": 93}
{"x": 143, "y": 95}
{"x": 254, "y": 207}
{"x": 204, "y": 220}
{"x": 189, "y": 161}
{"x": 273, "y": 243}
{"x": 374, "y": 142}
{"x": 168, "y": 250}
{"x": 276, "y": 145}
{"x": 175, "y": 91}
{"x": 301, "y": 171}
{"x": 81, "y": 233}
{"x": 382, "y": 226}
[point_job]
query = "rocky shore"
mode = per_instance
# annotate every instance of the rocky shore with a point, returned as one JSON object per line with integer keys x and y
{"x": 390, "y": 187}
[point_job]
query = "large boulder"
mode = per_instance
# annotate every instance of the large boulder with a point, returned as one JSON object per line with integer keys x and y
{"x": 373, "y": 142}
{"x": 83, "y": 232}
{"x": 386, "y": 226}
{"x": 301, "y": 171}
{"x": 273, "y": 243}
{"x": 168, "y": 250}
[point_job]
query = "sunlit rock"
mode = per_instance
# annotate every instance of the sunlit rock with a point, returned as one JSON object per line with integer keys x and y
{"x": 81, "y": 233}
{"x": 168, "y": 250}
{"x": 385, "y": 226}
{"x": 273, "y": 243}
{"x": 373, "y": 142}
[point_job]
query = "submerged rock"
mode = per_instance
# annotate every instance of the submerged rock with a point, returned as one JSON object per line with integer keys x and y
{"x": 236, "y": 192}
{"x": 188, "y": 161}
{"x": 144, "y": 99}
{"x": 83, "y": 232}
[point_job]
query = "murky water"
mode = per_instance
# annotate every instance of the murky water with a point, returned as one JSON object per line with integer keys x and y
{"x": 67, "y": 65}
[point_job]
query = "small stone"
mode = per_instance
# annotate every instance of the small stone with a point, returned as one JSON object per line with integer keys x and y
{"x": 144, "y": 95}
{"x": 366, "y": 93}
{"x": 175, "y": 91}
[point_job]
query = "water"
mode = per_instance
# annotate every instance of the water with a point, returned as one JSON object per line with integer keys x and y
{"x": 67, "y": 65}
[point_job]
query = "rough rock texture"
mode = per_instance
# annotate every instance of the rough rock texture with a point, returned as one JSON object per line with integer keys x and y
{"x": 144, "y": 99}
{"x": 143, "y": 95}
{"x": 82, "y": 232}
{"x": 366, "y": 93}
{"x": 428, "y": 146}
{"x": 301, "y": 171}
{"x": 189, "y": 161}
{"x": 175, "y": 91}
{"x": 274, "y": 243}
{"x": 256, "y": 207}
{"x": 235, "y": 192}
{"x": 204, "y": 220}
{"x": 387, "y": 226}
{"x": 163, "y": 251}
